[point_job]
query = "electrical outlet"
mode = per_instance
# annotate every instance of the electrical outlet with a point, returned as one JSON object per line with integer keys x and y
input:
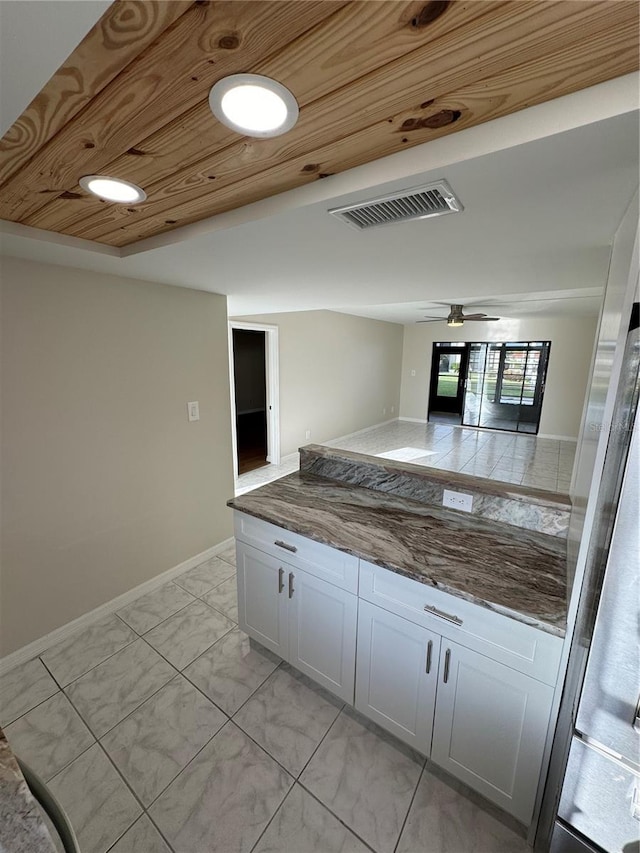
{"x": 193, "y": 410}
{"x": 307, "y": 435}
{"x": 384, "y": 411}
{"x": 457, "y": 500}
{"x": 393, "y": 408}
{"x": 413, "y": 373}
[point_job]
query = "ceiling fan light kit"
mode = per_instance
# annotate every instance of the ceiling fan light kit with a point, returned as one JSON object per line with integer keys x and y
{"x": 253, "y": 105}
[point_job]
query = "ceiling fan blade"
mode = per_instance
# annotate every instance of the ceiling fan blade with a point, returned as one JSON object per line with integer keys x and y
{"x": 479, "y": 318}
{"x": 434, "y": 320}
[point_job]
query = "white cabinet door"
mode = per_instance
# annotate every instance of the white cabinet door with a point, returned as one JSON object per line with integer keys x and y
{"x": 397, "y": 673}
{"x": 490, "y": 727}
{"x": 322, "y": 632}
{"x": 262, "y": 598}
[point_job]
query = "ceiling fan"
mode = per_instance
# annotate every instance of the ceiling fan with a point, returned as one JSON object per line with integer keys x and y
{"x": 457, "y": 318}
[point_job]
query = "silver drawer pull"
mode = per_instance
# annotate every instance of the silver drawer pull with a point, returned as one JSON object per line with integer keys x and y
{"x": 448, "y": 616}
{"x": 429, "y": 650}
{"x": 284, "y": 545}
{"x": 447, "y": 661}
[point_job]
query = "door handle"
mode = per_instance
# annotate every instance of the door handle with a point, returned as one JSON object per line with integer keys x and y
{"x": 291, "y": 589}
{"x": 280, "y": 580}
{"x": 286, "y": 546}
{"x": 447, "y": 660}
{"x": 429, "y": 650}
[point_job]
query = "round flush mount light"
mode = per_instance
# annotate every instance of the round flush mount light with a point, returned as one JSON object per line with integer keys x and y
{"x": 253, "y": 105}
{"x": 113, "y": 189}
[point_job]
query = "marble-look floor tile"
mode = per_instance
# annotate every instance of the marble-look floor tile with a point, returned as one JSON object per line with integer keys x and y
{"x": 50, "y": 736}
{"x": 154, "y": 743}
{"x": 442, "y": 820}
{"x": 304, "y": 825}
{"x": 183, "y": 637}
{"x": 366, "y": 777}
{"x": 231, "y": 670}
{"x": 143, "y": 837}
{"x": 99, "y": 804}
{"x": 288, "y": 716}
{"x": 79, "y": 653}
{"x": 22, "y": 688}
{"x": 149, "y": 610}
{"x": 229, "y": 554}
{"x": 204, "y": 577}
{"x": 224, "y": 798}
{"x": 116, "y": 687}
{"x": 224, "y": 598}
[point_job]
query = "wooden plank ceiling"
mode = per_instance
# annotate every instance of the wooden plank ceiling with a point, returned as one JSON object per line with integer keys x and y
{"x": 371, "y": 78}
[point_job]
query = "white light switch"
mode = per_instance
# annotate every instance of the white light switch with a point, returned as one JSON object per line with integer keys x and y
{"x": 193, "y": 410}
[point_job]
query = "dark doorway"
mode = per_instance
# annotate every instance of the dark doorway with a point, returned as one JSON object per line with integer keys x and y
{"x": 250, "y": 380}
{"x": 448, "y": 372}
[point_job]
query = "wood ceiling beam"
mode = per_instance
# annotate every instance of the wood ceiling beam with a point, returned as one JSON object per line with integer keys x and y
{"x": 126, "y": 28}
{"x": 513, "y": 90}
{"x": 502, "y": 38}
{"x": 318, "y": 62}
{"x": 203, "y": 44}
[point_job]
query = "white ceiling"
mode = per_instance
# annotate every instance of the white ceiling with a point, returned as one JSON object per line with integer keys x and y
{"x": 538, "y": 224}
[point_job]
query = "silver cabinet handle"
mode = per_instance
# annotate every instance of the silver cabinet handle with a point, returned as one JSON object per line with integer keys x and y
{"x": 429, "y": 650}
{"x": 636, "y": 717}
{"x": 280, "y": 580}
{"x": 449, "y": 617}
{"x": 285, "y": 545}
{"x": 291, "y": 589}
{"x": 447, "y": 660}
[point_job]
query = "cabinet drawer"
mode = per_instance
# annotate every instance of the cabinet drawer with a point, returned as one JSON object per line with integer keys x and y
{"x": 324, "y": 562}
{"x": 506, "y": 640}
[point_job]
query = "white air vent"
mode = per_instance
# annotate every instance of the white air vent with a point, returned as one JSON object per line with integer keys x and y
{"x": 435, "y": 199}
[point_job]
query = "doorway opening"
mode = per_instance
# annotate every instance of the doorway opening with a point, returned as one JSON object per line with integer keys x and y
{"x": 497, "y": 385}
{"x": 253, "y": 361}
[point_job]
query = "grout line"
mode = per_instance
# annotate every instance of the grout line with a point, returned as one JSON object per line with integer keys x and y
{"x": 406, "y": 817}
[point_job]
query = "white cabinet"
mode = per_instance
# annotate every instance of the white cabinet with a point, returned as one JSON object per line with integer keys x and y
{"x": 302, "y": 618}
{"x": 490, "y": 727}
{"x": 322, "y": 633}
{"x": 397, "y": 674}
{"x": 262, "y": 604}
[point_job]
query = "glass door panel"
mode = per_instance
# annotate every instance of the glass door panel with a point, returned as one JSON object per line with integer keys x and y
{"x": 474, "y": 384}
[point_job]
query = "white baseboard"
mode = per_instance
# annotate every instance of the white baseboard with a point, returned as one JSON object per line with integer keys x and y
{"x": 557, "y": 437}
{"x": 36, "y": 648}
{"x": 360, "y": 431}
{"x": 414, "y": 420}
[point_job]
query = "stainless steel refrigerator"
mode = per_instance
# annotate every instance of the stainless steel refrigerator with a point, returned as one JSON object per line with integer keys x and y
{"x": 597, "y": 805}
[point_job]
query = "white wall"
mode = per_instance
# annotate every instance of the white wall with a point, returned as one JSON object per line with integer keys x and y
{"x": 105, "y": 483}
{"x": 338, "y": 373}
{"x": 572, "y": 342}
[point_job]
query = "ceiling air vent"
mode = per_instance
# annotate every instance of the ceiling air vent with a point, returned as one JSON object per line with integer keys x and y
{"x": 435, "y": 199}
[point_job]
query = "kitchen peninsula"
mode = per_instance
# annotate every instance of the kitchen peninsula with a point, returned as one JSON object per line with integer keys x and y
{"x": 444, "y": 627}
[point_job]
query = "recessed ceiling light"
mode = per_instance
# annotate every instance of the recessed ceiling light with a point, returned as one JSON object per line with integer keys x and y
{"x": 253, "y": 105}
{"x": 113, "y": 189}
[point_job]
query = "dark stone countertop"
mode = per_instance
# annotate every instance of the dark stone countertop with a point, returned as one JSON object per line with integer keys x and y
{"x": 516, "y": 572}
{"x": 22, "y": 828}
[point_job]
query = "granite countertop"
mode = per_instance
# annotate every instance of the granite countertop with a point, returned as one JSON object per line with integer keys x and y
{"x": 22, "y": 828}
{"x": 520, "y": 573}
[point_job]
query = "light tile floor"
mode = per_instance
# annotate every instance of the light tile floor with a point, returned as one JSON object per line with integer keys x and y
{"x": 163, "y": 728}
{"x": 527, "y": 460}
